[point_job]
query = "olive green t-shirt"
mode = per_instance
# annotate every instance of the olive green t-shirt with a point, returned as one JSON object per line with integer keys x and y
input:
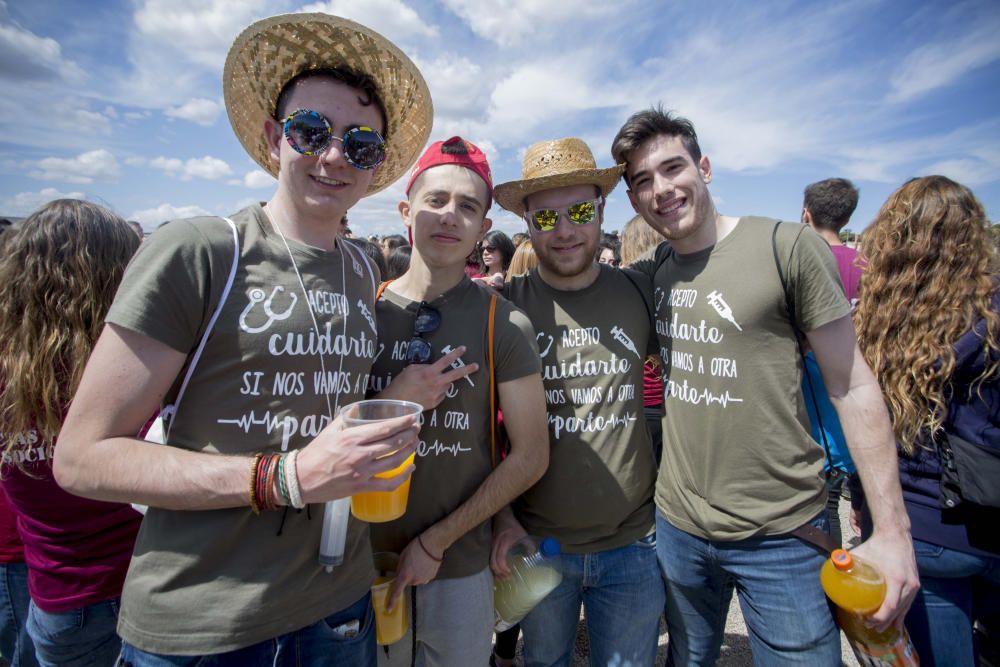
{"x": 213, "y": 581}
{"x": 738, "y": 460}
{"x": 597, "y": 493}
{"x": 453, "y": 457}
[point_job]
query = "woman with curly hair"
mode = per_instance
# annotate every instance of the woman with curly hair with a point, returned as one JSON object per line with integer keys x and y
{"x": 928, "y": 324}
{"x": 58, "y": 274}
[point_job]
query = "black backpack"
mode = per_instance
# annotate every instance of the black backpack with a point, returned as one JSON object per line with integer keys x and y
{"x": 970, "y": 473}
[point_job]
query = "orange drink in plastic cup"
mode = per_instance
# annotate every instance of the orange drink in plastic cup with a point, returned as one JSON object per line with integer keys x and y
{"x": 390, "y": 626}
{"x": 381, "y": 506}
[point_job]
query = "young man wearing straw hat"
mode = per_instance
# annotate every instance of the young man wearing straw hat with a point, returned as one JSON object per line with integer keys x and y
{"x": 740, "y": 493}
{"x": 256, "y": 330}
{"x": 460, "y": 482}
{"x": 593, "y": 330}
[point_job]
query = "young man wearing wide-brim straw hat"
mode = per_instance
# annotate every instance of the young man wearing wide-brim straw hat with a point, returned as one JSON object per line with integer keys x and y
{"x": 256, "y": 329}
{"x": 594, "y": 331}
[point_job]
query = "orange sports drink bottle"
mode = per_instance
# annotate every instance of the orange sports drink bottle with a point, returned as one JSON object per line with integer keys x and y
{"x": 858, "y": 588}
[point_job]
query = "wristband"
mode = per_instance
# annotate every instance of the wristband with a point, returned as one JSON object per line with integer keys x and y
{"x": 429, "y": 554}
{"x": 292, "y": 480}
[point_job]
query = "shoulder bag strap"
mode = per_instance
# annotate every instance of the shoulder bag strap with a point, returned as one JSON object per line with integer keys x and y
{"x": 493, "y": 394}
{"x": 170, "y": 411}
{"x": 798, "y": 341}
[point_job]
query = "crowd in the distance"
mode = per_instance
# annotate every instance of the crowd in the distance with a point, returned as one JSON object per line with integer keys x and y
{"x": 682, "y": 405}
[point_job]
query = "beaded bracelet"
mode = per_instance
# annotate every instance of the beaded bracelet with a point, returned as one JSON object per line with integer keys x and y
{"x": 292, "y": 480}
{"x": 254, "y": 465}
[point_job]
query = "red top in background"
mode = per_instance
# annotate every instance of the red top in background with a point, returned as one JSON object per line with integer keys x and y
{"x": 652, "y": 385}
{"x": 77, "y": 550}
{"x": 11, "y": 549}
{"x": 850, "y": 272}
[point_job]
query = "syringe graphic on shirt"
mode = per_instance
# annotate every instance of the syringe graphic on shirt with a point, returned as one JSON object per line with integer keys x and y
{"x": 367, "y": 314}
{"x": 716, "y": 301}
{"x": 458, "y": 363}
{"x": 619, "y": 335}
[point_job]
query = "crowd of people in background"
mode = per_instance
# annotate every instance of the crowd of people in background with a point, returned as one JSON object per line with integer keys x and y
{"x": 682, "y": 404}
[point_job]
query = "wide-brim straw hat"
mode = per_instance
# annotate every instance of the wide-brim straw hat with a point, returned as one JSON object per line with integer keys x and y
{"x": 556, "y": 164}
{"x": 272, "y": 51}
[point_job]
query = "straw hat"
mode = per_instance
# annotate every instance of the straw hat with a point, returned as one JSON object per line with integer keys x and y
{"x": 555, "y": 164}
{"x": 271, "y": 52}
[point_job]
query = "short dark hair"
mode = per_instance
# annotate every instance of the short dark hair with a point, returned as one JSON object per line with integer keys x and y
{"x": 398, "y": 262}
{"x": 373, "y": 251}
{"x": 393, "y": 241}
{"x": 648, "y": 123}
{"x": 349, "y": 77}
{"x": 831, "y": 202}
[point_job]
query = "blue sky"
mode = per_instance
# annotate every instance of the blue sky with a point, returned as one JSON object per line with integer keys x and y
{"x": 120, "y": 101}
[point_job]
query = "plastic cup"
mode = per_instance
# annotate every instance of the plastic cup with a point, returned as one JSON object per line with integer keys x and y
{"x": 390, "y": 626}
{"x": 381, "y": 506}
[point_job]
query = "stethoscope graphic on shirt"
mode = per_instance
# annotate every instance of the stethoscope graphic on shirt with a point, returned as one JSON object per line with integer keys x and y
{"x": 256, "y": 296}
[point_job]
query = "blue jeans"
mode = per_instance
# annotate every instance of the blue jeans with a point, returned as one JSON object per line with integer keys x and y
{"x": 316, "y": 645}
{"x": 622, "y": 594}
{"x": 955, "y": 588}
{"x": 83, "y": 637}
{"x": 777, "y": 579}
{"x": 15, "y": 644}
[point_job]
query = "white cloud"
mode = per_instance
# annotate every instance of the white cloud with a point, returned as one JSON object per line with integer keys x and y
{"x": 458, "y": 85}
{"x": 257, "y": 179}
{"x": 26, "y": 56}
{"x": 197, "y": 110}
{"x": 391, "y": 18}
{"x": 24, "y": 203}
{"x": 941, "y": 63}
{"x": 150, "y": 218}
{"x": 207, "y": 167}
{"x": 91, "y": 122}
{"x": 135, "y": 161}
{"x": 512, "y": 22}
{"x": 198, "y": 31}
{"x": 96, "y": 165}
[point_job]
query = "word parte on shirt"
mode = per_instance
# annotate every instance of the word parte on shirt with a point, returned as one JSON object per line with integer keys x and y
{"x": 588, "y": 424}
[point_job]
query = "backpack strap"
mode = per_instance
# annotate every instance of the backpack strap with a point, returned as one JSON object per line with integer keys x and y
{"x": 493, "y": 393}
{"x": 170, "y": 411}
{"x": 829, "y": 470}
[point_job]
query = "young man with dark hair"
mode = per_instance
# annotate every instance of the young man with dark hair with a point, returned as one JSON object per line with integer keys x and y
{"x": 460, "y": 482}
{"x": 829, "y": 204}
{"x": 255, "y": 330}
{"x": 740, "y": 494}
{"x": 827, "y": 207}
{"x": 593, "y": 330}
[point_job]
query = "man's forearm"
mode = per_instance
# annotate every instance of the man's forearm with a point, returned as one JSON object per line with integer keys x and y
{"x": 136, "y": 471}
{"x": 510, "y": 479}
{"x": 865, "y": 422}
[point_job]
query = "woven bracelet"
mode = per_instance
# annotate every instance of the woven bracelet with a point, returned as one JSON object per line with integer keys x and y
{"x": 253, "y": 483}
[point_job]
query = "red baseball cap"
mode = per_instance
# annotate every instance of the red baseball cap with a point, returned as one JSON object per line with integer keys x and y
{"x": 454, "y": 151}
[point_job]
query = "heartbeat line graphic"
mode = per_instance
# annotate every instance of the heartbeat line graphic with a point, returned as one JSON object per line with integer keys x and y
{"x": 723, "y": 400}
{"x": 246, "y": 422}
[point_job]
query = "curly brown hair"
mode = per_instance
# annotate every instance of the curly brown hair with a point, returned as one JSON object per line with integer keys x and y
{"x": 931, "y": 275}
{"x": 58, "y": 276}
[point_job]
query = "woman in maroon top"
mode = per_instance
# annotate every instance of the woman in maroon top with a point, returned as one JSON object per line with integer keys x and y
{"x": 58, "y": 274}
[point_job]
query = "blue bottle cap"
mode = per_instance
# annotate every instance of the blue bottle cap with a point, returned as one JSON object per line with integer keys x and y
{"x": 550, "y": 547}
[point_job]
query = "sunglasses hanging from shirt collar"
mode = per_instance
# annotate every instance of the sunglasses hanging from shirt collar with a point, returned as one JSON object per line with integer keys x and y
{"x": 427, "y": 321}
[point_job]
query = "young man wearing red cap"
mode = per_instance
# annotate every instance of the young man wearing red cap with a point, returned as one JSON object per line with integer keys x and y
{"x": 459, "y": 482}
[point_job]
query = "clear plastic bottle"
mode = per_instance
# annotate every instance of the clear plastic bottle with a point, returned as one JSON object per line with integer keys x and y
{"x": 858, "y": 588}
{"x": 533, "y": 576}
